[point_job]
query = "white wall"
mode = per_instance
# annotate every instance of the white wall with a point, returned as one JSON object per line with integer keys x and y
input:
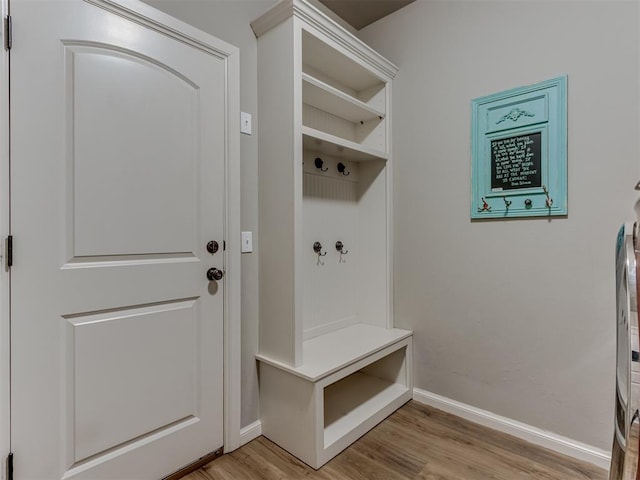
{"x": 513, "y": 317}
{"x": 230, "y": 21}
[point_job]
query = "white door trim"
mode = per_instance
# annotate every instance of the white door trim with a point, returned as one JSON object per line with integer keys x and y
{"x": 163, "y": 23}
{"x": 5, "y": 327}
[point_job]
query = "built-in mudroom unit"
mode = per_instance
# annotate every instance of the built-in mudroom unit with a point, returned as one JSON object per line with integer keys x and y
{"x": 331, "y": 363}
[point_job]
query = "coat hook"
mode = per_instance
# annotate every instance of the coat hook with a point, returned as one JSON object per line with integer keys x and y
{"x": 340, "y": 248}
{"x": 485, "y": 206}
{"x": 549, "y": 200}
{"x": 317, "y": 247}
{"x": 319, "y": 163}
{"x": 342, "y": 168}
{"x": 507, "y": 203}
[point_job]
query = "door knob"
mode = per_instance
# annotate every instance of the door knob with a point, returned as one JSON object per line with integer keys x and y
{"x": 214, "y": 274}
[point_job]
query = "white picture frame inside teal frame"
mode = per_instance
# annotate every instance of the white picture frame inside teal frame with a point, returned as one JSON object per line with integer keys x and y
{"x": 519, "y": 152}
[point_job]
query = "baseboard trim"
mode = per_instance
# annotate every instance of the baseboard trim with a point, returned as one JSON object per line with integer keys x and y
{"x": 250, "y": 432}
{"x": 550, "y": 440}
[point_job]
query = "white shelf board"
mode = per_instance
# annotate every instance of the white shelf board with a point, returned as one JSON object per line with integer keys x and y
{"x": 342, "y": 68}
{"x": 329, "y": 99}
{"x": 328, "y": 144}
{"x": 329, "y": 353}
{"x": 354, "y": 400}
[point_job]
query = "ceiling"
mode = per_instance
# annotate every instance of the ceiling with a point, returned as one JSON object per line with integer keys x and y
{"x": 360, "y": 13}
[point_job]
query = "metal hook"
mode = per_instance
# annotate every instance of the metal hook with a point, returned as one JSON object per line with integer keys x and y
{"x": 549, "y": 200}
{"x": 317, "y": 247}
{"x": 342, "y": 251}
{"x": 340, "y": 248}
{"x": 342, "y": 168}
{"x": 485, "y": 206}
{"x": 507, "y": 203}
{"x": 319, "y": 163}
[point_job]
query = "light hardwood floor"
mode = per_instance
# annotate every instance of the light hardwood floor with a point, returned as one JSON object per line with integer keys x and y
{"x": 416, "y": 442}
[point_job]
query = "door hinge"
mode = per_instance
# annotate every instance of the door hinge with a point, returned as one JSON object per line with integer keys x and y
{"x": 10, "y": 466}
{"x": 8, "y": 32}
{"x": 9, "y": 251}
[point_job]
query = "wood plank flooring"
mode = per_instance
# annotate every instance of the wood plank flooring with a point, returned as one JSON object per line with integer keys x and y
{"x": 416, "y": 442}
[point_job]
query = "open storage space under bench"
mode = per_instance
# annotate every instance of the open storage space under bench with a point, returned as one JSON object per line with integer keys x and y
{"x": 350, "y": 380}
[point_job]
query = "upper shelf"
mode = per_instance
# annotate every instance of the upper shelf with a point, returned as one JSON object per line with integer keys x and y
{"x": 344, "y": 70}
{"x": 325, "y": 97}
{"x": 328, "y": 144}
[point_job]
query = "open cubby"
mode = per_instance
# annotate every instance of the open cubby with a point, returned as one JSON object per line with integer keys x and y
{"x": 337, "y": 66}
{"x": 350, "y": 401}
{"x": 341, "y": 97}
{"x": 331, "y": 363}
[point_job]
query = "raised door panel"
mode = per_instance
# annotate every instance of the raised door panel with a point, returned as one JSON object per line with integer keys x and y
{"x": 134, "y": 154}
{"x": 119, "y": 372}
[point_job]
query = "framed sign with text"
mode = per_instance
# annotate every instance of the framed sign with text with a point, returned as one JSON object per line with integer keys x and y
{"x": 519, "y": 152}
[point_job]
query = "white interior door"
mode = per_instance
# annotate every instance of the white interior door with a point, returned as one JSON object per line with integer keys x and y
{"x": 118, "y": 129}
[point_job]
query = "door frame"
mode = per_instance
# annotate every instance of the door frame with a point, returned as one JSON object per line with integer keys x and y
{"x": 5, "y": 325}
{"x": 163, "y": 23}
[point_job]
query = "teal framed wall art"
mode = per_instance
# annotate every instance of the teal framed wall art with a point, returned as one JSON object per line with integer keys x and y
{"x": 519, "y": 152}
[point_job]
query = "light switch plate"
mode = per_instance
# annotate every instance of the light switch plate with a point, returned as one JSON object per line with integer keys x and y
{"x": 245, "y": 123}
{"x": 247, "y": 242}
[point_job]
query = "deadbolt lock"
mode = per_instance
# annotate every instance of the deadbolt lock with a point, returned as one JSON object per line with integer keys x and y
{"x": 212, "y": 247}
